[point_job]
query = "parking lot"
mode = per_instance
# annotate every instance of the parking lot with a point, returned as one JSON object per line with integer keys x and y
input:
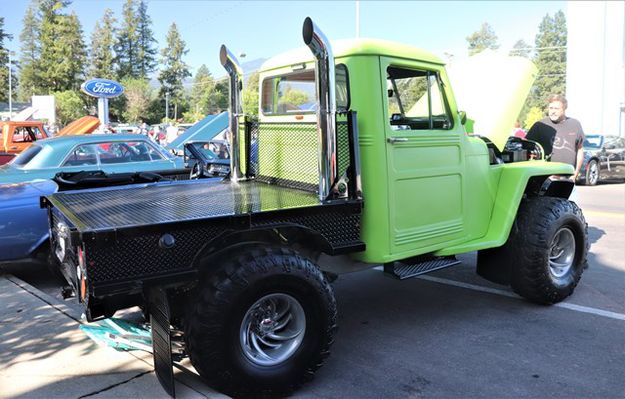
{"x": 453, "y": 334}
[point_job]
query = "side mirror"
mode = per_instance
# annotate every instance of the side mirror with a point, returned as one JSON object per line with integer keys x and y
{"x": 463, "y": 117}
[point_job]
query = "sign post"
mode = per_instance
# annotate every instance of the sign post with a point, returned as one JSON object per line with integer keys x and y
{"x": 102, "y": 89}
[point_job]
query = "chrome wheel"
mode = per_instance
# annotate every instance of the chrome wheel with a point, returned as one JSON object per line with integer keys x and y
{"x": 593, "y": 173}
{"x": 273, "y": 329}
{"x": 562, "y": 252}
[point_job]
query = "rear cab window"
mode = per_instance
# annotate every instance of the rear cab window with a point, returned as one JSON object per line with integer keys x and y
{"x": 295, "y": 92}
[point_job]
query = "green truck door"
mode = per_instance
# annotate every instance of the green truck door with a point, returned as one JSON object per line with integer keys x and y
{"x": 426, "y": 166}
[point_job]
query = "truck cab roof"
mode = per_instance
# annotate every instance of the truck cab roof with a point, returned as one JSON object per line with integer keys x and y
{"x": 349, "y": 47}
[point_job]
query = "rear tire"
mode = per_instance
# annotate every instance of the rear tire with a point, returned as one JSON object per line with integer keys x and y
{"x": 262, "y": 323}
{"x": 549, "y": 241}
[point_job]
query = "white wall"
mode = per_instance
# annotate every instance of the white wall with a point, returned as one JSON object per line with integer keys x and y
{"x": 44, "y": 108}
{"x": 595, "y": 74}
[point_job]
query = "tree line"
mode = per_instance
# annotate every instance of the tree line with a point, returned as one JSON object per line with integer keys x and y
{"x": 54, "y": 59}
{"x": 548, "y": 54}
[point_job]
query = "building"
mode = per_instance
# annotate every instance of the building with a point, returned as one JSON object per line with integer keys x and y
{"x": 595, "y": 75}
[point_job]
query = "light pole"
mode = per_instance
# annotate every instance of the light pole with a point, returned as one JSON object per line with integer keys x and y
{"x": 10, "y": 88}
{"x": 166, "y": 106}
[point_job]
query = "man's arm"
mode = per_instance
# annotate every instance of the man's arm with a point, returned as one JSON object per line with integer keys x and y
{"x": 578, "y": 162}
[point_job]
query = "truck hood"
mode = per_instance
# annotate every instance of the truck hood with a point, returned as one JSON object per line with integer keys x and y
{"x": 491, "y": 88}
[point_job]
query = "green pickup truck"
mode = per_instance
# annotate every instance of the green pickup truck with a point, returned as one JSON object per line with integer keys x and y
{"x": 359, "y": 152}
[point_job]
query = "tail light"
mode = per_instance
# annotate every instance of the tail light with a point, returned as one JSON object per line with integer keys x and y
{"x": 80, "y": 273}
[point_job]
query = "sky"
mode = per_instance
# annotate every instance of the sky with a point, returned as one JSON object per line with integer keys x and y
{"x": 261, "y": 29}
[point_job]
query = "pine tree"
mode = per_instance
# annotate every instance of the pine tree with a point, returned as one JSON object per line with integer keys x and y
{"x": 126, "y": 48}
{"x": 63, "y": 51}
{"x": 483, "y": 39}
{"x": 102, "y": 42}
{"x": 550, "y": 59}
{"x": 174, "y": 69}
{"x": 30, "y": 52}
{"x": 521, "y": 49}
{"x": 4, "y": 60}
{"x": 250, "y": 95}
{"x": 203, "y": 86}
{"x": 146, "y": 45}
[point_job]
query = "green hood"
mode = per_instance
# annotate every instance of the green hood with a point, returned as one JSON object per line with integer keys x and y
{"x": 492, "y": 88}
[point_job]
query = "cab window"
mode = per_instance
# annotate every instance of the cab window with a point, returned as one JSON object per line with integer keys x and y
{"x": 22, "y": 134}
{"x": 294, "y": 93}
{"x": 416, "y": 100}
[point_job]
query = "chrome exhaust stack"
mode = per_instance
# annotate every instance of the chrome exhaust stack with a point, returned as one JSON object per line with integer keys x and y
{"x": 231, "y": 65}
{"x": 326, "y": 96}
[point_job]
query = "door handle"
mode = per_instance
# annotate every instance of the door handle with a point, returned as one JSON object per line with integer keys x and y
{"x": 13, "y": 148}
{"x": 393, "y": 140}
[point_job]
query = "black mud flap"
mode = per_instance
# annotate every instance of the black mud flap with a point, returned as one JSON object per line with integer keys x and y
{"x": 161, "y": 339}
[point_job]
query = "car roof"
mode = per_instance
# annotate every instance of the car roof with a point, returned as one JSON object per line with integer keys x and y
{"x": 63, "y": 143}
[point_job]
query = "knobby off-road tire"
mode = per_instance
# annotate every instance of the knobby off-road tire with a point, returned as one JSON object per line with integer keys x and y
{"x": 259, "y": 299}
{"x": 549, "y": 241}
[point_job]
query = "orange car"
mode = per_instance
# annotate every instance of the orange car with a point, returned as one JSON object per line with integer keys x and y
{"x": 15, "y": 137}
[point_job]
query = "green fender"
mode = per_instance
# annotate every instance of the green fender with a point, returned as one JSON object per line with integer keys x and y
{"x": 513, "y": 181}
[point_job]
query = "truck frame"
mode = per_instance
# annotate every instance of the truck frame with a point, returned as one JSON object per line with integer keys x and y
{"x": 232, "y": 265}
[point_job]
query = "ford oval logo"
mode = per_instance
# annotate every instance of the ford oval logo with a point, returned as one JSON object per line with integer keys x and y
{"x": 102, "y": 88}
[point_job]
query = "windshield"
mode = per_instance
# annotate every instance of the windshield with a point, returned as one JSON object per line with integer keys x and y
{"x": 213, "y": 150}
{"x": 593, "y": 141}
{"x": 26, "y": 156}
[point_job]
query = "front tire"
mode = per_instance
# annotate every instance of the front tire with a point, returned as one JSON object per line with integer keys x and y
{"x": 592, "y": 173}
{"x": 549, "y": 241}
{"x": 262, "y": 323}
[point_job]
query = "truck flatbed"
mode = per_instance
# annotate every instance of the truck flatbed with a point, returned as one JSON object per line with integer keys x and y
{"x": 176, "y": 202}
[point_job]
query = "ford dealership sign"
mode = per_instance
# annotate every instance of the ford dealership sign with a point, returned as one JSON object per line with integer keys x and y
{"x": 102, "y": 88}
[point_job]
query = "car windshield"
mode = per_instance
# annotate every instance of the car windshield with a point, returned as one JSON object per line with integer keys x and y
{"x": 593, "y": 141}
{"x": 26, "y": 156}
{"x": 212, "y": 150}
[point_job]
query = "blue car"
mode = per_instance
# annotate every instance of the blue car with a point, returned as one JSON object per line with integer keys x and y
{"x": 74, "y": 162}
{"x": 110, "y": 153}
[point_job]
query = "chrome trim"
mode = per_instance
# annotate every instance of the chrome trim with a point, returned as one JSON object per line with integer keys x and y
{"x": 231, "y": 65}
{"x": 326, "y": 113}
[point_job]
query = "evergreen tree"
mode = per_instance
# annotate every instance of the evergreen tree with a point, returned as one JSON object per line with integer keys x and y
{"x": 219, "y": 101}
{"x": 4, "y": 61}
{"x": 250, "y": 95}
{"x": 203, "y": 87}
{"x": 174, "y": 69}
{"x": 483, "y": 39}
{"x": 550, "y": 59}
{"x": 126, "y": 48}
{"x": 521, "y": 49}
{"x": 146, "y": 45}
{"x": 30, "y": 52}
{"x": 63, "y": 51}
{"x": 102, "y": 42}
{"x": 138, "y": 95}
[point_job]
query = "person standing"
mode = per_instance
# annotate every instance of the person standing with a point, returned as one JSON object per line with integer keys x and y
{"x": 561, "y": 137}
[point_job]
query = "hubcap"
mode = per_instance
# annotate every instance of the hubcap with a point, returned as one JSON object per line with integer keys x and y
{"x": 562, "y": 252}
{"x": 273, "y": 329}
{"x": 593, "y": 173}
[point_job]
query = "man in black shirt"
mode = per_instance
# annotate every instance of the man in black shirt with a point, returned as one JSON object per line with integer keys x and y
{"x": 561, "y": 137}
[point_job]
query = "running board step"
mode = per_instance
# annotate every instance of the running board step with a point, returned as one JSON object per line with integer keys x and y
{"x": 416, "y": 266}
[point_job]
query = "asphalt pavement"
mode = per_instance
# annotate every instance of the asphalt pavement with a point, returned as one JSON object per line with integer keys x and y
{"x": 442, "y": 335}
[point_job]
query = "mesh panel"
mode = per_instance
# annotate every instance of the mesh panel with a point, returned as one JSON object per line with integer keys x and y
{"x": 342, "y": 146}
{"x": 285, "y": 154}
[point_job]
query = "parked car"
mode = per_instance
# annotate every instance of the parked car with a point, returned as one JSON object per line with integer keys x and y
{"x": 15, "y": 137}
{"x": 24, "y": 229}
{"x": 108, "y": 153}
{"x": 207, "y": 158}
{"x": 604, "y": 158}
